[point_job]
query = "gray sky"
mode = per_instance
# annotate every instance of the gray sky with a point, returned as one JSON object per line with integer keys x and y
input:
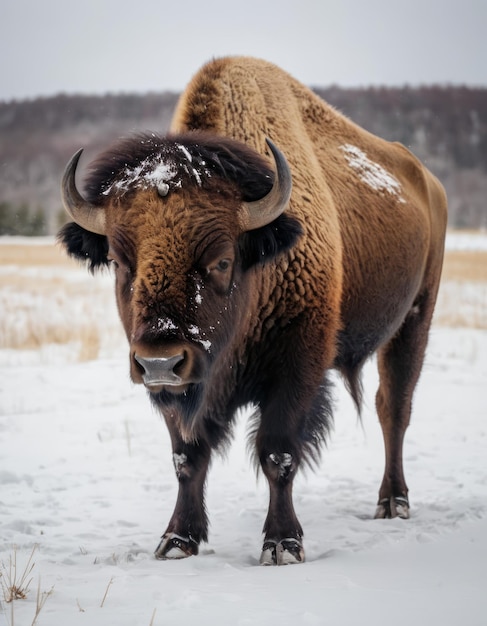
{"x": 99, "y": 46}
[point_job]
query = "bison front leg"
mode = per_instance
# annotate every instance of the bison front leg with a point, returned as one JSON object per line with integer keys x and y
{"x": 189, "y": 522}
{"x": 294, "y": 421}
{"x": 283, "y": 533}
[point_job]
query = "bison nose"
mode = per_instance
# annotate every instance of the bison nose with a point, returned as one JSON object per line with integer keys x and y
{"x": 157, "y": 371}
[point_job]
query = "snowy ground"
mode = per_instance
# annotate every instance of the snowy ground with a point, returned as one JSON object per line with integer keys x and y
{"x": 86, "y": 476}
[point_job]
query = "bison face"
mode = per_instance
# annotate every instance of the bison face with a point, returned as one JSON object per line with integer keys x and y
{"x": 179, "y": 281}
{"x": 186, "y": 222}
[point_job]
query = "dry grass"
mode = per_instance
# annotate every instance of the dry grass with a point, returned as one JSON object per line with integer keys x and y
{"x": 47, "y": 299}
{"x": 462, "y": 300}
{"x": 25, "y": 254}
{"x": 49, "y": 309}
{"x": 465, "y": 265}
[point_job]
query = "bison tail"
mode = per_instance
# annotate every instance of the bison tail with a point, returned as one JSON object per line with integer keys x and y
{"x": 353, "y": 382}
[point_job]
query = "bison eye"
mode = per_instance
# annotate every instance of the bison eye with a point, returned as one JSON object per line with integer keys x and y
{"x": 223, "y": 265}
{"x": 219, "y": 273}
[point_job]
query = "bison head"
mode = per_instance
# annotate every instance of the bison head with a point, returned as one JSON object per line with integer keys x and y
{"x": 185, "y": 221}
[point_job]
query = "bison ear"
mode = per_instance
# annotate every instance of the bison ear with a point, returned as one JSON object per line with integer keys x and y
{"x": 264, "y": 244}
{"x": 85, "y": 246}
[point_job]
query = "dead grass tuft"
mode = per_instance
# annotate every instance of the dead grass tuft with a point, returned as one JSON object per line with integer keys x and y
{"x": 16, "y": 581}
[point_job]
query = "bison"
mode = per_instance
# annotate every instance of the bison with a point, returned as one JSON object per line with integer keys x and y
{"x": 264, "y": 241}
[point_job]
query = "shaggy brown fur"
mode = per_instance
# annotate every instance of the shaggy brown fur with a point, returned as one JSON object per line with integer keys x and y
{"x": 351, "y": 268}
{"x": 365, "y": 243}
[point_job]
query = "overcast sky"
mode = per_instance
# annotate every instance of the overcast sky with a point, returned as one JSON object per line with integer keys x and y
{"x": 99, "y": 46}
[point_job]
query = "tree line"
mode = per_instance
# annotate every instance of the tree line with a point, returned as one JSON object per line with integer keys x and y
{"x": 446, "y": 127}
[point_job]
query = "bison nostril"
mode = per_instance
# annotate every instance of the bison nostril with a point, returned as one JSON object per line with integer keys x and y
{"x": 139, "y": 365}
{"x": 179, "y": 365}
{"x": 159, "y": 370}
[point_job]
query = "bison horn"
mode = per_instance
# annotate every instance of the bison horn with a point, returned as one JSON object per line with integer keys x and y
{"x": 84, "y": 214}
{"x": 262, "y": 212}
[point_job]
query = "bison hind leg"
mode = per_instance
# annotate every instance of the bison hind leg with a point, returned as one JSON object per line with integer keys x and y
{"x": 400, "y": 362}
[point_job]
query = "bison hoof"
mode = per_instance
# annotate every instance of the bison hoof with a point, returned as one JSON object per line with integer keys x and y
{"x": 174, "y": 546}
{"x": 396, "y": 506}
{"x": 284, "y": 552}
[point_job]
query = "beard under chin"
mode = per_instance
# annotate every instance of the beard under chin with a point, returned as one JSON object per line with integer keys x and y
{"x": 187, "y": 405}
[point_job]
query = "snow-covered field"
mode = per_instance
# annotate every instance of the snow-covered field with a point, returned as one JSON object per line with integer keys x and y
{"x": 86, "y": 479}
